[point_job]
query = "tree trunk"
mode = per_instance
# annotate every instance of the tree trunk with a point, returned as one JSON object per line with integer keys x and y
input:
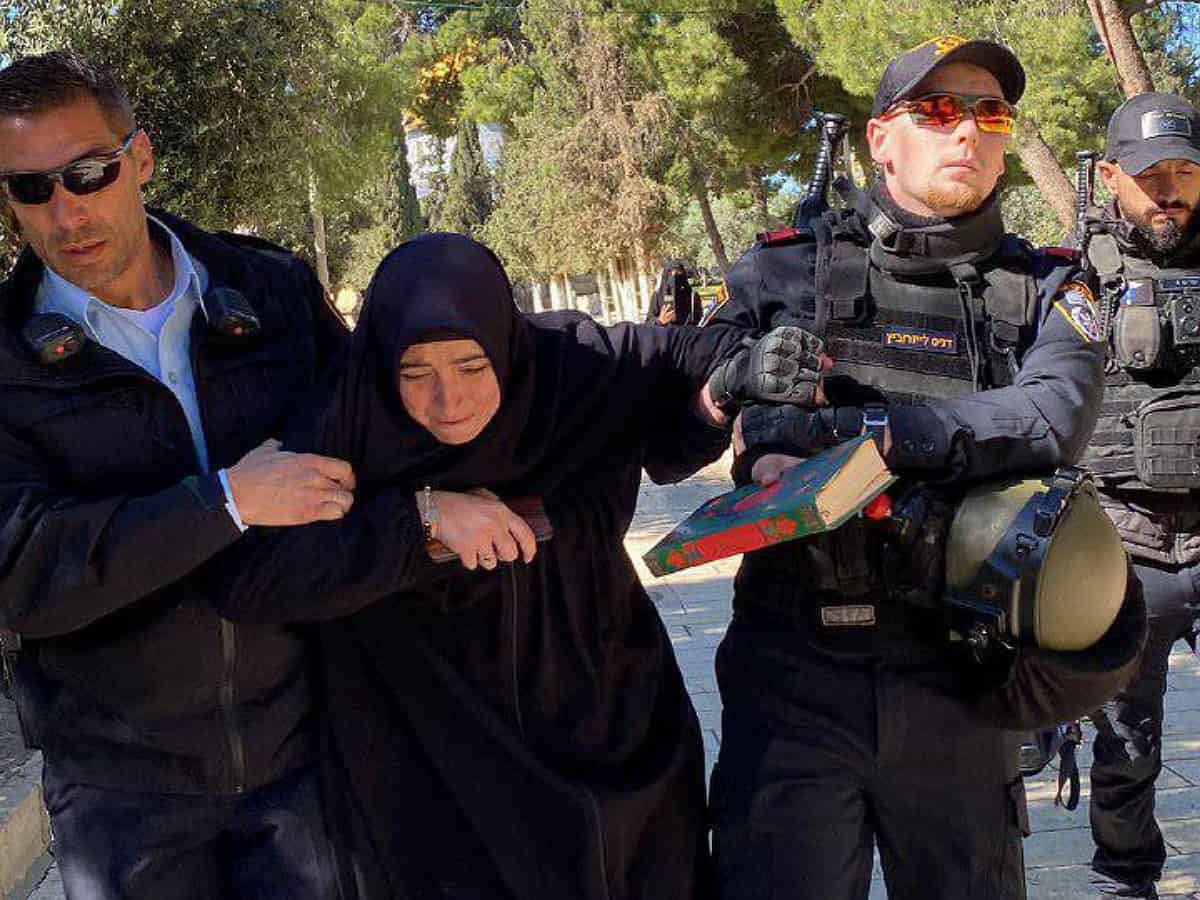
{"x": 1039, "y": 161}
{"x": 1116, "y": 32}
{"x": 710, "y": 225}
{"x": 758, "y": 190}
{"x": 318, "y": 223}
{"x": 644, "y": 279}
{"x": 569, "y": 293}
{"x": 608, "y": 304}
{"x": 627, "y": 309}
{"x": 630, "y": 286}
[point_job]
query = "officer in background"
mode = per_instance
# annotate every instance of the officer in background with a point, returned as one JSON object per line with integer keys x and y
{"x": 1146, "y": 262}
{"x": 969, "y": 357}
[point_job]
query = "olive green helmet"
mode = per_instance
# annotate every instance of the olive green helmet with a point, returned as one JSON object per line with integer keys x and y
{"x": 1035, "y": 563}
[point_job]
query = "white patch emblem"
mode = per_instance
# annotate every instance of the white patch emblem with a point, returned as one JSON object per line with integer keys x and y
{"x": 1161, "y": 123}
{"x": 856, "y": 616}
{"x": 1077, "y": 307}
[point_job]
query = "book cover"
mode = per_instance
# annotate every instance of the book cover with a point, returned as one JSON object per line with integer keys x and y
{"x": 753, "y": 517}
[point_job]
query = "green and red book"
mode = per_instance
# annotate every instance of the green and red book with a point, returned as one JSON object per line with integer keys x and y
{"x": 817, "y": 495}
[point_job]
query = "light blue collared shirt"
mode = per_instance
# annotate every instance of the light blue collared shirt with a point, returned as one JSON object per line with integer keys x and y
{"x": 157, "y": 340}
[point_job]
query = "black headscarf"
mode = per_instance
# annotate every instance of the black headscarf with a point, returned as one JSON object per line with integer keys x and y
{"x": 436, "y": 285}
{"x": 565, "y": 402}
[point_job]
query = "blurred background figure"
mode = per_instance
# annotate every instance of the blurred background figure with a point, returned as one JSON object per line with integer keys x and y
{"x": 674, "y": 302}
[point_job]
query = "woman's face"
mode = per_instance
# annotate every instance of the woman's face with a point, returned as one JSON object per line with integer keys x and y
{"x": 449, "y": 388}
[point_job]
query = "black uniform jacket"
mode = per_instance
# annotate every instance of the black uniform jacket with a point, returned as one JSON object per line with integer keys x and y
{"x": 525, "y": 732}
{"x": 1042, "y": 420}
{"x": 128, "y": 677}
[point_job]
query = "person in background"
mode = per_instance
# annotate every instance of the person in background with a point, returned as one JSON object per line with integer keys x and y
{"x": 674, "y": 302}
{"x": 1144, "y": 453}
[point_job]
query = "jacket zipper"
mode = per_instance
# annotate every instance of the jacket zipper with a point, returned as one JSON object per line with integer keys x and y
{"x": 228, "y": 687}
{"x": 227, "y": 692}
{"x": 228, "y": 697}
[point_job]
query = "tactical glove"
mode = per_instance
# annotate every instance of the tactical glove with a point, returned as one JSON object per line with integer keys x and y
{"x": 806, "y": 430}
{"x": 783, "y": 366}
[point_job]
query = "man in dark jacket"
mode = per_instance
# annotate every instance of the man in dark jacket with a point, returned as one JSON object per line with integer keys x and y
{"x": 1146, "y": 261}
{"x": 969, "y": 357}
{"x": 144, "y": 364}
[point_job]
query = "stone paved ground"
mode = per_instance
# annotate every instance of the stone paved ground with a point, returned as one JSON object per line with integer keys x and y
{"x": 695, "y": 604}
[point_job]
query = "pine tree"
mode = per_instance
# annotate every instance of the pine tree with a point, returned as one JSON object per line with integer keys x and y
{"x": 403, "y": 211}
{"x": 468, "y": 201}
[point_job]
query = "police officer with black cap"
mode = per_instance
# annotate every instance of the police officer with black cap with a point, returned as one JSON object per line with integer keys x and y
{"x": 849, "y": 719}
{"x": 1144, "y": 253}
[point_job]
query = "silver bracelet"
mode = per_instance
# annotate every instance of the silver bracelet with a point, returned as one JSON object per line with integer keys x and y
{"x": 429, "y": 512}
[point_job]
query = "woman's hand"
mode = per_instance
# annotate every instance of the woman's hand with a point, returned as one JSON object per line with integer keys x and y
{"x": 481, "y": 529}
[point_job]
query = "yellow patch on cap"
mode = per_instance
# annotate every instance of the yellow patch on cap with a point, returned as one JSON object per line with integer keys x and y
{"x": 944, "y": 44}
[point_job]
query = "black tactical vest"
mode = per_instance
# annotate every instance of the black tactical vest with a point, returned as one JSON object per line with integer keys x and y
{"x": 1148, "y": 434}
{"x": 916, "y": 315}
{"x": 1144, "y": 449}
{"x": 912, "y": 328}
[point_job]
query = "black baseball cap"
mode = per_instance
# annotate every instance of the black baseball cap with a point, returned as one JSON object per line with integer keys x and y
{"x": 908, "y": 70}
{"x": 1148, "y": 128}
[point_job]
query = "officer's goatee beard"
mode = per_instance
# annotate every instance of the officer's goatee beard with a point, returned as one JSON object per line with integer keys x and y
{"x": 1165, "y": 241}
{"x": 953, "y": 201}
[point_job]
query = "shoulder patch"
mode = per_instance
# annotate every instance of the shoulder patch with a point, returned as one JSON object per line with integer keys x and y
{"x": 1077, "y": 305}
{"x": 718, "y": 301}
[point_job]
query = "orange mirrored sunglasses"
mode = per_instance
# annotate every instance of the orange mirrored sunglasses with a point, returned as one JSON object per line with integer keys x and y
{"x": 944, "y": 109}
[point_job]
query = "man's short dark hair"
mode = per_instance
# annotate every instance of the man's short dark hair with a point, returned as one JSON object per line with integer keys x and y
{"x": 38, "y": 84}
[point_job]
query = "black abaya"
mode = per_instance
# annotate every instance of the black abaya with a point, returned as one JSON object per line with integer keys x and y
{"x": 522, "y": 733}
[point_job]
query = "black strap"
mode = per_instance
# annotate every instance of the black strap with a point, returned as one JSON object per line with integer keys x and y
{"x": 1068, "y": 766}
{"x": 823, "y": 234}
{"x": 966, "y": 278}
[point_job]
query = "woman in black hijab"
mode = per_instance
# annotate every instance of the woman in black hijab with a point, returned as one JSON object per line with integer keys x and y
{"x": 506, "y": 731}
{"x": 674, "y": 302}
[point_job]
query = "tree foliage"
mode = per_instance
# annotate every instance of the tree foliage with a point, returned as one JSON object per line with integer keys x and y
{"x": 401, "y": 208}
{"x": 468, "y": 200}
{"x": 623, "y": 121}
{"x": 241, "y": 98}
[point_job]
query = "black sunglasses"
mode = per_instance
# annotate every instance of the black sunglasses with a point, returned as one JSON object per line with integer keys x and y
{"x": 84, "y": 176}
